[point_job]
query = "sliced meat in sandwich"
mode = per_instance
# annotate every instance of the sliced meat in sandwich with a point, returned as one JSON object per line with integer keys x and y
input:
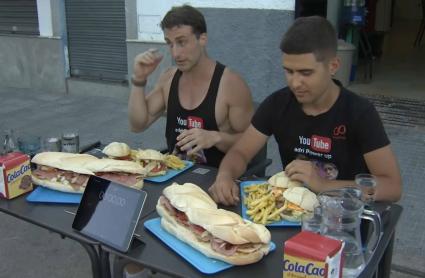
{"x": 128, "y": 173}
{"x": 192, "y": 216}
{"x": 62, "y": 171}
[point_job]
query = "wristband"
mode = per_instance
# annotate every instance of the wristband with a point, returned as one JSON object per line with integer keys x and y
{"x": 138, "y": 83}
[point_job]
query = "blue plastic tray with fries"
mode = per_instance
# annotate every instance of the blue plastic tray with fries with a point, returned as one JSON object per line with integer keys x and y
{"x": 280, "y": 223}
{"x": 171, "y": 173}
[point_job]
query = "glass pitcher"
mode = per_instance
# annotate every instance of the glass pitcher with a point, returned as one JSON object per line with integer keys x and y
{"x": 342, "y": 211}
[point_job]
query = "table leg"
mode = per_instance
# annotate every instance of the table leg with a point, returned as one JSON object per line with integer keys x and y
{"x": 384, "y": 268}
{"x": 104, "y": 263}
{"x": 94, "y": 258}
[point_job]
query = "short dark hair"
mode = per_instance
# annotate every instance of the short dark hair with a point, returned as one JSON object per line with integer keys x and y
{"x": 185, "y": 15}
{"x": 313, "y": 34}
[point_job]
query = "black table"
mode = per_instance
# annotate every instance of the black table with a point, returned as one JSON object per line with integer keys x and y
{"x": 154, "y": 254}
{"x": 56, "y": 218}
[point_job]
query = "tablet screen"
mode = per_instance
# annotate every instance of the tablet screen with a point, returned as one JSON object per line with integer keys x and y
{"x": 109, "y": 212}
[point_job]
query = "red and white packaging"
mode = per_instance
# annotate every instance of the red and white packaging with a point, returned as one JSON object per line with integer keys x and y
{"x": 311, "y": 255}
{"x": 15, "y": 175}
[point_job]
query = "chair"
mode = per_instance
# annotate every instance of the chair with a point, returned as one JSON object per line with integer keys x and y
{"x": 421, "y": 30}
{"x": 257, "y": 166}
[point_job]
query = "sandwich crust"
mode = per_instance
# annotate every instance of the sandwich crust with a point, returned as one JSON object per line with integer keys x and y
{"x": 302, "y": 197}
{"x": 117, "y": 149}
{"x": 228, "y": 226}
{"x": 65, "y": 161}
{"x": 281, "y": 180}
{"x": 150, "y": 154}
{"x": 114, "y": 165}
{"x": 188, "y": 195}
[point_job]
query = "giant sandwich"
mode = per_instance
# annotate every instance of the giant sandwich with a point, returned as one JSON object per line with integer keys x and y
{"x": 62, "y": 171}
{"x": 69, "y": 172}
{"x": 188, "y": 213}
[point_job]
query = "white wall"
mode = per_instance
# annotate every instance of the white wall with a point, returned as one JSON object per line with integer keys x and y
{"x": 150, "y": 12}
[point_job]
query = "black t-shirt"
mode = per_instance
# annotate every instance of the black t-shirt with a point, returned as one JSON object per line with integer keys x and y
{"x": 335, "y": 140}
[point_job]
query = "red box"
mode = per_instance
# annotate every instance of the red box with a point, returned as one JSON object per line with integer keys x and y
{"x": 311, "y": 255}
{"x": 15, "y": 175}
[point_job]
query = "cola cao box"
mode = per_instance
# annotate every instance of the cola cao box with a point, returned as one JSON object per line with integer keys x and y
{"x": 15, "y": 175}
{"x": 308, "y": 254}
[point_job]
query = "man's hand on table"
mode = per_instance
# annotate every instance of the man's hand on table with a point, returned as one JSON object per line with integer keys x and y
{"x": 305, "y": 172}
{"x": 224, "y": 191}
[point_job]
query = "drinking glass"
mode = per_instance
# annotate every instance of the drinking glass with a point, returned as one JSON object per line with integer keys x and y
{"x": 312, "y": 221}
{"x": 29, "y": 144}
{"x": 367, "y": 184}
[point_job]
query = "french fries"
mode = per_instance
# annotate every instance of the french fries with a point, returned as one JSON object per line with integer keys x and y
{"x": 261, "y": 204}
{"x": 174, "y": 162}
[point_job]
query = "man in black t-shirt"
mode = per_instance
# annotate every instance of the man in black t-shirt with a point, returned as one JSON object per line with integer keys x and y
{"x": 325, "y": 133}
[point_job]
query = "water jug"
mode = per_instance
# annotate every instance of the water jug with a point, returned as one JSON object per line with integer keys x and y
{"x": 342, "y": 211}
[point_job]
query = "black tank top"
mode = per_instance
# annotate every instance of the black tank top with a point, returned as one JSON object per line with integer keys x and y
{"x": 203, "y": 116}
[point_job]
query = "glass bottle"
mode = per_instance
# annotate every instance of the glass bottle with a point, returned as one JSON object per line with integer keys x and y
{"x": 10, "y": 144}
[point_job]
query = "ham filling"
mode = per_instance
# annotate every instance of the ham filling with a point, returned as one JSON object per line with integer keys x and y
{"x": 120, "y": 177}
{"x": 218, "y": 245}
{"x": 67, "y": 177}
{"x": 80, "y": 180}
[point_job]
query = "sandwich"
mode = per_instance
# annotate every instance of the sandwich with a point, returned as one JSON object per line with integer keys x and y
{"x": 70, "y": 172}
{"x": 62, "y": 171}
{"x": 298, "y": 201}
{"x": 116, "y": 150}
{"x": 278, "y": 184}
{"x": 153, "y": 161}
{"x": 188, "y": 213}
{"x": 128, "y": 173}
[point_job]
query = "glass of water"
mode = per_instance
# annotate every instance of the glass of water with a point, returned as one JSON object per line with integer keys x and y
{"x": 312, "y": 221}
{"x": 367, "y": 184}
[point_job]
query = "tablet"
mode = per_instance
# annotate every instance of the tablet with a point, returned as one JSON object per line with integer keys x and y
{"x": 109, "y": 212}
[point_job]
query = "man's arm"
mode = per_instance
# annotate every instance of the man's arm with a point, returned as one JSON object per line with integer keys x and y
{"x": 381, "y": 163}
{"x": 224, "y": 190}
{"x": 143, "y": 110}
{"x": 235, "y": 96}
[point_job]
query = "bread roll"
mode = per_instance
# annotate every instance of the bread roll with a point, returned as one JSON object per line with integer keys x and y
{"x": 302, "y": 197}
{"x": 281, "y": 180}
{"x": 116, "y": 149}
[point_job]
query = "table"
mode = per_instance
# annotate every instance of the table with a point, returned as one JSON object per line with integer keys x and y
{"x": 154, "y": 254}
{"x": 56, "y": 218}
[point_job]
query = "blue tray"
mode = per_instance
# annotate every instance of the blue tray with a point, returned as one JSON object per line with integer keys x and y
{"x": 170, "y": 173}
{"x": 46, "y": 195}
{"x": 281, "y": 223}
{"x": 201, "y": 262}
